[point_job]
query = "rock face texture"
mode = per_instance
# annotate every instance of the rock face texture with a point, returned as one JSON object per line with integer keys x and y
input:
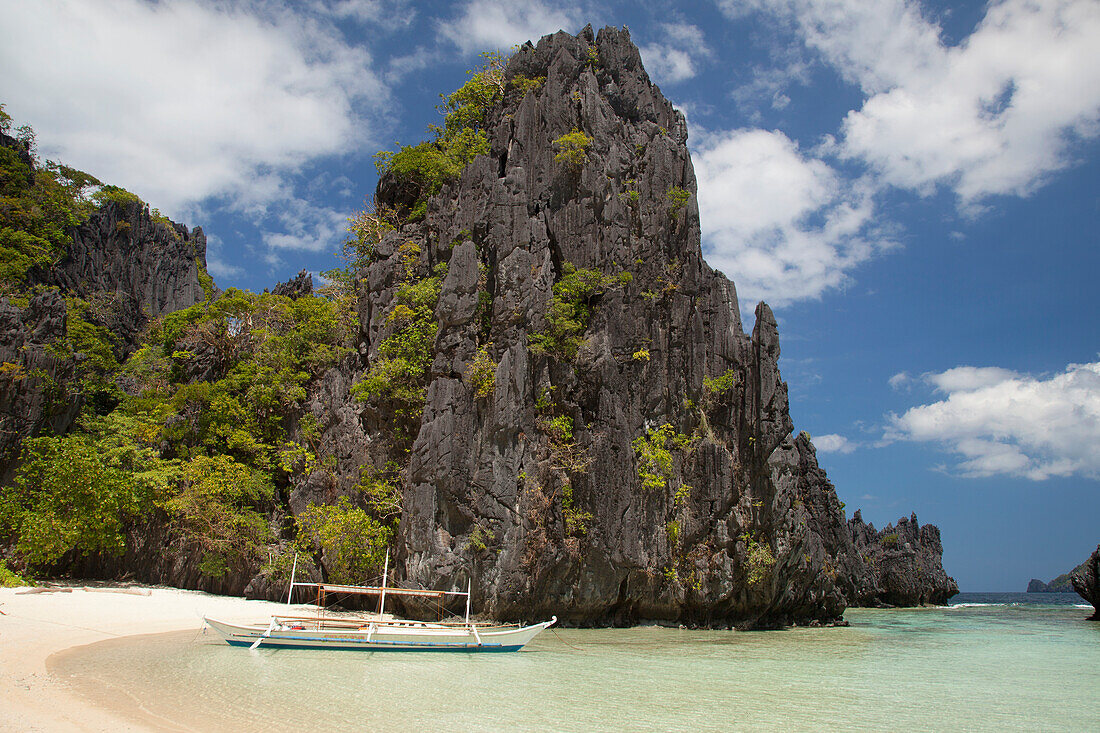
{"x": 131, "y": 268}
{"x": 296, "y": 288}
{"x": 1086, "y": 581}
{"x": 648, "y": 472}
{"x": 144, "y": 267}
{"x": 30, "y": 400}
{"x": 741, "y": 527}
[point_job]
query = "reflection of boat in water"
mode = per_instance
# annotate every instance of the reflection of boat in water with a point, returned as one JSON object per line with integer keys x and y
{"x": 378, "y": 633}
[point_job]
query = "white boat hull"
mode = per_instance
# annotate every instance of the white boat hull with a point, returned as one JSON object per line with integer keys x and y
{"x": 381, "y": 636}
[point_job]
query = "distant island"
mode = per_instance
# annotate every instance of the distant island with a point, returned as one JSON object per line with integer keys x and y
{"x": 1061, "y": 584}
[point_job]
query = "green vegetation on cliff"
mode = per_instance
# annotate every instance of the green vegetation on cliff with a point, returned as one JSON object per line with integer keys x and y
{"x": 39, "y": 204}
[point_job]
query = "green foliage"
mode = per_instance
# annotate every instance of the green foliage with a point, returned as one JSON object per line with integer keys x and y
{"x": 460, "y": 139}
{"x": 366, "y": 227}
{"x": 570, "y": 311}
{"x": 382, "y": 491}
{"x": 523, "y": 84}
{"x": 545, "y": 400}
{"x": 593, "y": 59}
{"x": 572, "y": 148}
{"x": 654, "y": 453}
{"x": 352, "y": 543}
{"x": 216, "y": 510}
{"x": 721, "y": 384}
{"x": 404, "y": 357}
{"x": 760, "y": 560}
{"x": 890, "y": 540}
{"x": 205, "y": 281}
{"x": 9, "y": 579}
{"x": 678, "y": 198}
{"x": 92, "y": 347}
{"x": 559, "y": 429}
{"x": 116, "y": 195}
{"x": 631, "y": 196}
{"x": 481, "y": 373}
{"x": 683, "y": 491}
{"x": 79, "y": 492}
{"x": 641, "y": 354}
{"x": 268, "y": 348}
{"x": 479, "y": 539}
{"x": 39, "y": 205}
{"x": 576, "y": 521}
{"x": 672, "y": 531}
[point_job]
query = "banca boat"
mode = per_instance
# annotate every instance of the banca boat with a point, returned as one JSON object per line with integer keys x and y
{"x": 378, "y": 633}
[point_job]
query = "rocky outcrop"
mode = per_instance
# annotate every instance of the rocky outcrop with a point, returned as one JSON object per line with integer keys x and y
{"x": 650, "y": 474}
{"x": 129, "y": 268}
{"x": 1061, "y": 584}
{"x": 296, "y": 288}
{"x": 141, "y": 266}
{"x": 745, "y": 529}
{"x": 1086, "y": 581}
{"x": 904, "y": 564}
{"x": 32, "y": 375}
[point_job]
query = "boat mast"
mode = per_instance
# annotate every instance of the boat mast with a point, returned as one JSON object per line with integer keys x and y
{"x": 293, "y": 570}
{"x": 385, "y": 572}
{"x": 469, "y": 587}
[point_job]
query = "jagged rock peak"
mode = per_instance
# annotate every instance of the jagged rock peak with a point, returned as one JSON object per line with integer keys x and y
{"x": 296, "y": 288}
{"x": 742, "y": 527}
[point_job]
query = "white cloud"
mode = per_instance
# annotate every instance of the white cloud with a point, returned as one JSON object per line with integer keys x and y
{"x": 901, "y": 380}
{"x": 833, "y": 443}
{"x": 995, "y": 114}
{"x": 308, "y": 227}
{"x": 783, "y": 225}
{"x": 388, "y": 14}
{"x": 1001, "y": 422}
{"x": 968, "y": 378}
{"x": 185, "y": 100}
{"x": 215, "y": 265}
{"x": 501, "y": 24}
{"x": 675, "y": 59}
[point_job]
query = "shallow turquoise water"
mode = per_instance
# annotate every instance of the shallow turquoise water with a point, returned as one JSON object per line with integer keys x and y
{"x": 970, "y": 667}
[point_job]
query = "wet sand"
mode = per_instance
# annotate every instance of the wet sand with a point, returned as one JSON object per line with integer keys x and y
{"x": 36, "y": 625}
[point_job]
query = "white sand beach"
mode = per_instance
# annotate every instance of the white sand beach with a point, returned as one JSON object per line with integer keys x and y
{"x": 36, "y": 625}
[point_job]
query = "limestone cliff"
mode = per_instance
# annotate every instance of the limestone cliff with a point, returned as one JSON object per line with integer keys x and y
{"x": 596, "y": 437}
{"x": 1086, "y": 581}
{"x": 128, "y": 267}
{"x": 742, "y": 528}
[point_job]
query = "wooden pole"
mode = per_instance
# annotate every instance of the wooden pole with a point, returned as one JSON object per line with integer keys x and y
{"x": 293, "y": 570}
{"x": 385, "y": 573}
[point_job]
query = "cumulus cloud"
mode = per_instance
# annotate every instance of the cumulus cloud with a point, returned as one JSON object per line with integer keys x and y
{"x": 994, "y": 115}
{"x": 186, "y": 100}
{"x": 833, "y": 443}
{"x": 674, "y": 60}
{"x": 501, "y": 24}
{"x": 1004, "y": 423}
{"x": 779, "y": 222}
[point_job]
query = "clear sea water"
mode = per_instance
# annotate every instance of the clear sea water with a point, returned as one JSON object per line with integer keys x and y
{"x": 987, "y": 662}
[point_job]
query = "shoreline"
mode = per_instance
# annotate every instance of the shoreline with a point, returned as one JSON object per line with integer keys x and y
{"x": 36, "y": 625}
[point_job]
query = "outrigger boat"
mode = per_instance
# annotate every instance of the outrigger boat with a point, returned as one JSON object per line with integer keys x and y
{"x": 378, "y": 633}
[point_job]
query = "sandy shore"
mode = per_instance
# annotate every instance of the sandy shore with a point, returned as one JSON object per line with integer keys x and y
{"x": 34, "y": 626}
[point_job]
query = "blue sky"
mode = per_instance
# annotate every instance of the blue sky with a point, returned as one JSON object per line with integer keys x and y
{"x": 912, "y": 186}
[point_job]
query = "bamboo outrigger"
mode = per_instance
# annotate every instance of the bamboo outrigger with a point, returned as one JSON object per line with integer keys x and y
{"x": 379, "y": 633}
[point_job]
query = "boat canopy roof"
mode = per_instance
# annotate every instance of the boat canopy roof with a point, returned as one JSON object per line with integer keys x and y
{"x": 370, "y": 590}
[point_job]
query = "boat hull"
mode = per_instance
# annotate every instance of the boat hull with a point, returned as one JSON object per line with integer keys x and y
{"x": 381, "y": 637}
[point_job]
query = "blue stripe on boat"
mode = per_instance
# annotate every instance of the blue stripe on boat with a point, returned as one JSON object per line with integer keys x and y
{"x": 388, "y": 646}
